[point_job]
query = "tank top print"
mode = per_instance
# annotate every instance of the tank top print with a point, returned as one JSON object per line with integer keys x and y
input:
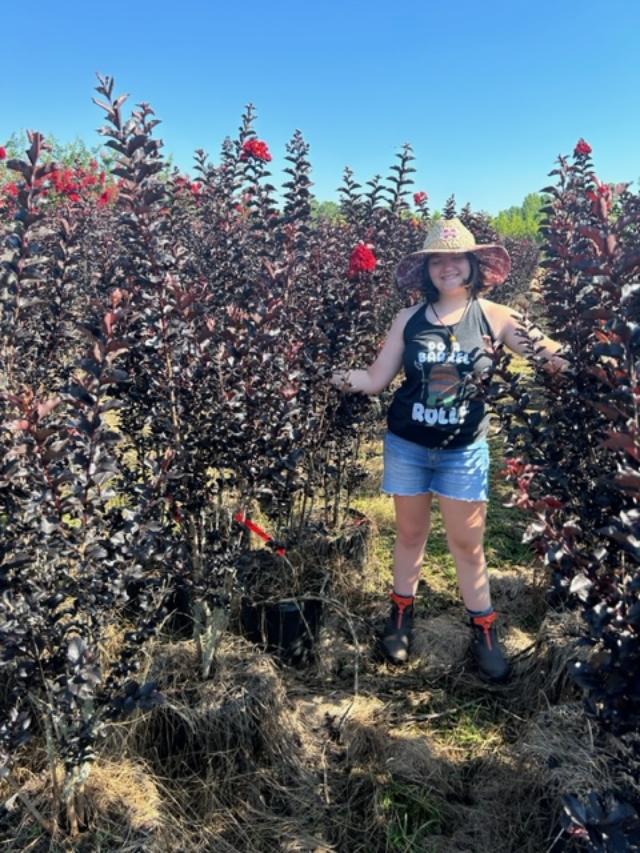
{"x": 438, "y": 405}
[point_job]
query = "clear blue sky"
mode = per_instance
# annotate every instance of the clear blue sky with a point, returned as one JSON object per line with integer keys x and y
{"x": 487, "y": 93}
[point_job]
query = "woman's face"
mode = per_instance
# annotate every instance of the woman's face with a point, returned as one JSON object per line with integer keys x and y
{"x": 449, "y": 271}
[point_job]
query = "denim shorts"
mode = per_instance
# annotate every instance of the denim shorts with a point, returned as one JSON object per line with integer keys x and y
{"x": 411, "y": 469}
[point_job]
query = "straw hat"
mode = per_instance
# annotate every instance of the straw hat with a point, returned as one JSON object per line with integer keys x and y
{"x": 450, "y": 235}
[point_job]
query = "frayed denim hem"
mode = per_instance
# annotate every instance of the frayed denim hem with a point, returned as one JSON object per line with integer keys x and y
{"x": 432, "y": 492}
{"x": 466, "y": 500}
{"x": 406, "y": 494}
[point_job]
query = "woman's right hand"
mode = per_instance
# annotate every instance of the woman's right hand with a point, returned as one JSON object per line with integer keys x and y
{"x": 340, "y": 378}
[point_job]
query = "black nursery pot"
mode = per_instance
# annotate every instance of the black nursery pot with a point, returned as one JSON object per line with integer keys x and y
{"x": 179, "y": 602}
{"x": 289, "y": 629}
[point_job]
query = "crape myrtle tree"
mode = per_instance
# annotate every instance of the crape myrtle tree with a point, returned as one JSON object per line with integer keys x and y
{"x": 235, "y": 314}
{"x": 576, "y": 462}
{"x": 359, "y": 308}
{"x": 297, "y": 298}
{"x": 66, "y": 556}
{"x": 178, "y": 324}
{"x": 272, "y": 288}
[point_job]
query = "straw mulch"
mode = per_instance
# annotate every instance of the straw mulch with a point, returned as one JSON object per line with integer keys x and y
{"x": 121, "y": 801}
{"x": 558, "y": 643}
{"x": 232, "y": 751}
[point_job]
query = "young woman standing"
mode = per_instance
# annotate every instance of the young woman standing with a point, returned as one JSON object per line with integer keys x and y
{"x": 436, "y": 442}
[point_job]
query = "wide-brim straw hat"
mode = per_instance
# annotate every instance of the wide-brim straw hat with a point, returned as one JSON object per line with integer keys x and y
{"x": 451, "y": 236}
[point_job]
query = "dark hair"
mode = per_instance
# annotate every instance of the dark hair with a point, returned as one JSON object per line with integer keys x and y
{"x": 475, "y": 282}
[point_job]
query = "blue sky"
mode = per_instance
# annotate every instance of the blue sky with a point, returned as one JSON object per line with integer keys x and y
{"x": 488, "y": 94}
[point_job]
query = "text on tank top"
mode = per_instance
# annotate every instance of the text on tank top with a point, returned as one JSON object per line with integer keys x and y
{"x": 438, "y": 404}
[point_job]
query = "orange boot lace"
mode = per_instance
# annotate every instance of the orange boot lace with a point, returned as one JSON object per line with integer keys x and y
{"x": 485, "y": 622}
{"x": 402, "y": 602}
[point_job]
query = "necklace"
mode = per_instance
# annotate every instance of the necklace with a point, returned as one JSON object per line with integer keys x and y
{"x": 452, "y": 335}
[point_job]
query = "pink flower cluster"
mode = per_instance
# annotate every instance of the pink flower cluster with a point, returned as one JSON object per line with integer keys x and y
{"x": 420, "y": 197}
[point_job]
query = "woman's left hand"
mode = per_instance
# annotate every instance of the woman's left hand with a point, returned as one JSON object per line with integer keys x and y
{"x": 556, "y": 364}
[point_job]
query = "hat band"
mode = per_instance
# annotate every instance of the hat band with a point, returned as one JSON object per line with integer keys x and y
{"x": 449, "y": 246}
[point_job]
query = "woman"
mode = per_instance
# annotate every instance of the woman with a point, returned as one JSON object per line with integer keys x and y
{"x": 437, "y": 423}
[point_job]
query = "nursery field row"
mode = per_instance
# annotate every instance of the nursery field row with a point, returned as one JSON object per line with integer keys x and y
{"x": 166, "y": 352}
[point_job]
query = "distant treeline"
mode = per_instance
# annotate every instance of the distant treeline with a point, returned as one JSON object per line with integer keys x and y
{"x": 517, "y": 221}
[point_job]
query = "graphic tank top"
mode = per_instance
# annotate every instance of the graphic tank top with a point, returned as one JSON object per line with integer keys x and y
{"x": 438, "y": 405}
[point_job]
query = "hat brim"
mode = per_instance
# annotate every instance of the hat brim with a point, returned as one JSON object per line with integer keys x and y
{"x": 494, "y": 261}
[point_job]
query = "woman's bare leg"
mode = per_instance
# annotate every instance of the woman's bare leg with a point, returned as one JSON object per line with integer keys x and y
{"x": 413, "y": 523}
{"x": 465, "y": 523}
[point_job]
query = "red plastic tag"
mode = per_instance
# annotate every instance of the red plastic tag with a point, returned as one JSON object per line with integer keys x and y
{"x": 255, "y": 528}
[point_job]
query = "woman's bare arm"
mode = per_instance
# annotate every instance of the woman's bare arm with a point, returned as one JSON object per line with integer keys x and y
{"x": 509, "y": 330}
{"x": 378, "y": 375}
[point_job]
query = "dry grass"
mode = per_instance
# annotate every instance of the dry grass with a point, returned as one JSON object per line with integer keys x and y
{"x": 518, "y": 593}
{"x": 440, "y": 642}
{"x": 236, "y": 757}
{"x": 121, "y": 806}
{"x": 557, "y": 644}
{"x": 505, "y": 810}
{"x": 560, "y": 745}
{"x": 260, "y": 759}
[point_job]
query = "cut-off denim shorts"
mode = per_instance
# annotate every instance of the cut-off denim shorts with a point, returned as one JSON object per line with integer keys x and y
{"x": 411, "y": 469}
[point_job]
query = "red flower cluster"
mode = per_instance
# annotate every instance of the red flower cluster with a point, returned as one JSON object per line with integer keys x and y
{"x": 602, "y": 191}
{"x": 108, "y": 196}
{"x": 582, "y": 148}
{"x": 513, "y": 467}
{"x": 420, "y": 197}
{"x": 362, "y": 260}
{"x": 72, "y": 182}
{"x": 194, "y": 188}
{"x": 3, "y": 152}
{"x": 255, "y": 148}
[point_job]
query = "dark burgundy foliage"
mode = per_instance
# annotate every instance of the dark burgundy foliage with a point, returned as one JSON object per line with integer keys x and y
{"x": 575, "y": 454}
{"x": 165, "y": 364}
{"x": 584, "y": 446}
{"x": 602, "y": 824}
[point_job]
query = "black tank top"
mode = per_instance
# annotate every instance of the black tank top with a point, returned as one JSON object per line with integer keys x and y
{"x": 438, "y": 405}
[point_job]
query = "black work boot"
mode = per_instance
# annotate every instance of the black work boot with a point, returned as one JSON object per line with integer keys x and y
{"x": 486, "y": 650}
{"x": 397, "y": 630}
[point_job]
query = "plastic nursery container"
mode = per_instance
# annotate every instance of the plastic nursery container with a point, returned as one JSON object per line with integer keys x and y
{"x": 289, "y": 629}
